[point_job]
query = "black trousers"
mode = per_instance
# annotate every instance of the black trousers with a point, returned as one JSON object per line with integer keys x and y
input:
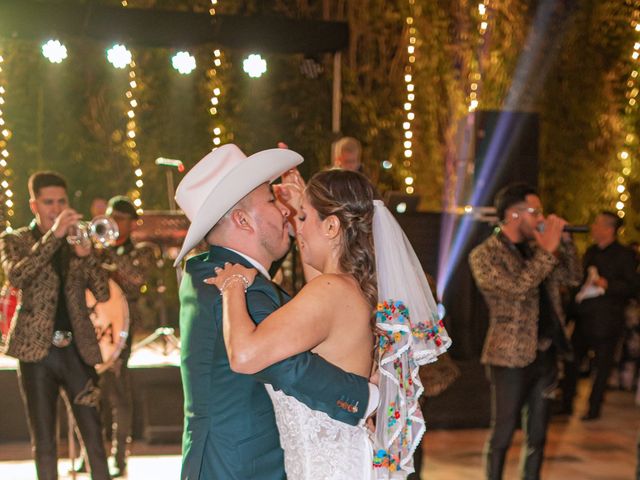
{"x": 604, "y": 349}
{"x": 520, "y": 394}
{"x": 115, "y": 384}
{"x": 40, "y": 384}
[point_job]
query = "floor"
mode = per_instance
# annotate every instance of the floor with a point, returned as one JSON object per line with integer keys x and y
{"x": 604, "y": 449}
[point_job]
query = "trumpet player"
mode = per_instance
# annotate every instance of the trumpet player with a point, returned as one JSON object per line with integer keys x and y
{"x": 52, "y": 335}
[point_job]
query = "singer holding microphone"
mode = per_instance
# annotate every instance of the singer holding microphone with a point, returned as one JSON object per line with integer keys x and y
{"x": 52, "y": 335}
{"x": 520, "y": 270}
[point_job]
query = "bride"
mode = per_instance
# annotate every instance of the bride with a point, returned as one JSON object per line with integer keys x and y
{"x": 338, "y": 316}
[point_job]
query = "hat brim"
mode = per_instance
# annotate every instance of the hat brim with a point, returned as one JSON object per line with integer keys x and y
{"x": 259, "y": 168}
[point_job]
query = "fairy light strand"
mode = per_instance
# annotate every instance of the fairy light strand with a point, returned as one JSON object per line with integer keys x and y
{"x": 215, "y": 87}
{"x": 475, "y": 75}
{"x": 409, "y": 115}
{"x": 131, "y": 132}
{"x": 5, "y": 136}
{"x": 624, "y": 156}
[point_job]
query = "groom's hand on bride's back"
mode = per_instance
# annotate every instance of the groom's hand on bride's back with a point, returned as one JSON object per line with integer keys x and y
{"x": 370, "y": 422}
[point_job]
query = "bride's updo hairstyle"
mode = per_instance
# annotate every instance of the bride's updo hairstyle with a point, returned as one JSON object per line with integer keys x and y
{"x": 349, "y": 196}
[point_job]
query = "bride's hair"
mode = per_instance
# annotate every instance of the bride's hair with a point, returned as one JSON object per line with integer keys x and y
{"x": 349, "y": 196}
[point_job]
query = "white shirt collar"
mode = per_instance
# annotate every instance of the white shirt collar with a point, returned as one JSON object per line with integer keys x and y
{"x": 253, "y": 262}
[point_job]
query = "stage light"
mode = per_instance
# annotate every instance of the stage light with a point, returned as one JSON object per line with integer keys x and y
{"x": 408, "y": 180}
{"x": 254, "y": 65}
{"x": 54, "y": 51}
{"x": 119, "y": 56}
{"x": 401, "y": 207}
{"x": 387, "y": 164}
{"x": 184, "y": 62}
{"x": 620, "y": 205}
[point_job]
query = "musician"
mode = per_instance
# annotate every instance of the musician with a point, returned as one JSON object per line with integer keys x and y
{"x": 51, "y": 335}
{"x": 128, "y": 264}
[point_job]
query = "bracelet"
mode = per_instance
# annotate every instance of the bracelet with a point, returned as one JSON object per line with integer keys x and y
{"x": 235, "y": 278}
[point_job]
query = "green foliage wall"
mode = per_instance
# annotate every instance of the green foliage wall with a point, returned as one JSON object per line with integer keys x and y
{"x": 70, "y": 117}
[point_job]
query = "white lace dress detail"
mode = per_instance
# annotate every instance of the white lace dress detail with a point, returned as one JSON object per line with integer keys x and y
{"x": 317, "y": 447}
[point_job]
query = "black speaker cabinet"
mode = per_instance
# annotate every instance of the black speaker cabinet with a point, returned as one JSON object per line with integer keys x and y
{"x": 504, "y": 149}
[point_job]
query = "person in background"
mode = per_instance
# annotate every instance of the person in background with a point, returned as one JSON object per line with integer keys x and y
{"x": 52, "y": 335}
{"x": 128, "y": 264}
{"x": 610, "y": 281}
{"x": 347, "y": 153}
{"x": 98, "y": 207}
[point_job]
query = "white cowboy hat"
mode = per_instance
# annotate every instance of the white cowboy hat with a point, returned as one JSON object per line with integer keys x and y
{"x": 220, "y": 180}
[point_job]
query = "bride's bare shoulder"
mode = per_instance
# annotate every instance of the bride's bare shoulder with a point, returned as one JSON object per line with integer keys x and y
{"x": 332, "y": 281}
{"x": 333, "y": 289}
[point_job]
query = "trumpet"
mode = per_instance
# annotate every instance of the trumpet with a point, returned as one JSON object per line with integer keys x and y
{"x": 102, "y": 232}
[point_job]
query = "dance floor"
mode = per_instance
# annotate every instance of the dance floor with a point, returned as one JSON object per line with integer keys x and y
{"x": 604, "y": 449}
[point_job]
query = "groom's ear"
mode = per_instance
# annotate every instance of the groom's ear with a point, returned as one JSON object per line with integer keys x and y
{"x": 331, "y": 226}
{"x": 241, "y": 219}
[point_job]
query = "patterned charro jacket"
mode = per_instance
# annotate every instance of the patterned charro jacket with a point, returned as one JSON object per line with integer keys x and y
{"x": 28, "y": 266}
{"x": 129, "y": 265}
{"x": 510, "y": 285}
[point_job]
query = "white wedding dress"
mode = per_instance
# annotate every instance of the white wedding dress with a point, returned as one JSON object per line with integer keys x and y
{"x": 317, "y": 447}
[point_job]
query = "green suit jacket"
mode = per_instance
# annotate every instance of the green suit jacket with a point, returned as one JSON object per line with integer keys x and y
{"x": 230, "y": 430}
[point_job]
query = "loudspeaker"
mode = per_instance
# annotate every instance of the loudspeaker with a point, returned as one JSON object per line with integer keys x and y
{"x": 466, "y": 403}
{"x": 504, "y": 149}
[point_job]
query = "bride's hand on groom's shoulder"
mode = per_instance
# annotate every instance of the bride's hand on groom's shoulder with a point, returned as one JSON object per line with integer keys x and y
{"x": 231, "y": 271}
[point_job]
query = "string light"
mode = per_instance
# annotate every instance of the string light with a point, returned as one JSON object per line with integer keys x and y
{"x": 630, "y": 139}
{"x": 131, "y": 134}
{"x": 5, "y": 136}
{"x": 131, "y": 127}
{"x": 475, "y": 76}
{"x": 409, "y": 100}
{"x": 215, "y": 86}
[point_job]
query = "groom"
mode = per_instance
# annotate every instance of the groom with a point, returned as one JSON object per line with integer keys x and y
{"x": 230, "y": 431}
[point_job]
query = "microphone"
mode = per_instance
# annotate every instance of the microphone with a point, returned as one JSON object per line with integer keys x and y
{"x": 170, "y": 162}
{"x": 568, "y": 228}
{"x": 576, "y": 228}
